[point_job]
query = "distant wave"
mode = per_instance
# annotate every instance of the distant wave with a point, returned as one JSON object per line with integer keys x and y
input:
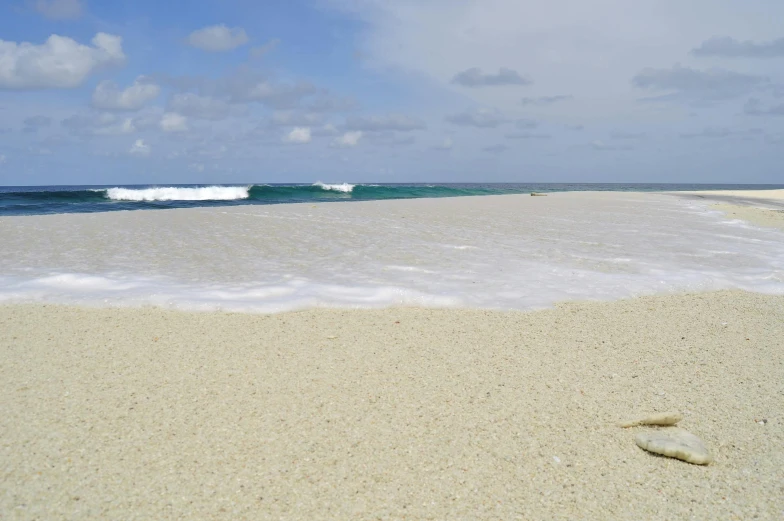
{"x": 261, "y": 193}
{"x": 207, "y": 193}
{"x": 215, "y": 193}
{"x": 342, "y": 187}
{"x": 59, "y": 200}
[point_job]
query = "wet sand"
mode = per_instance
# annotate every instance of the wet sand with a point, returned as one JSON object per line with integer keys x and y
{"x": 400, "y": 413}
{"x": 759, "y": 207}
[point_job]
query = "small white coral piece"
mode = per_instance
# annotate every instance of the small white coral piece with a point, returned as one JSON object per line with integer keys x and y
{"x": 675, "y": 443}
{"x": 665, "y": 418}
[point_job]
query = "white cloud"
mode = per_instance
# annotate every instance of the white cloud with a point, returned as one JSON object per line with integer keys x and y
{"x": 298, "y": 136}
{"x": 59, "y": 9}
{"x": 218, "y": 38}
{"x": 2, "y": 159}
{"x": 200, "y": 107}
{"x": 173, "y": 122}
{"x": 108, "y": 96}
{"x": 140, "y": 149}
{"x": 347, "y": 140}
{"x": 58, "y": 63}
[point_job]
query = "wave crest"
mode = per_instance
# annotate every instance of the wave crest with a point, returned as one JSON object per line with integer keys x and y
{"x": 342, "y": 187}
{"x": 173, "y": 193}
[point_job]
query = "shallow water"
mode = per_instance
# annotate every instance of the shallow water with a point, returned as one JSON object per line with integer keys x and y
{"x": 502, "y": 252}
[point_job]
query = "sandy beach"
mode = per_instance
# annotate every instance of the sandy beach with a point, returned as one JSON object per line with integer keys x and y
{"x": 141, "y": 412}
{"x": 761, "y": 207}
{"x": 755, "y": 197}
{"x": 391, "y": 414}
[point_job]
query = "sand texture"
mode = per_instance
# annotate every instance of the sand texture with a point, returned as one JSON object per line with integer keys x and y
{"x": 769, "y": 195}
{"x": 401, "y": 413}
{"x": 773, "y": 218}
{"x": 759, "y": 207}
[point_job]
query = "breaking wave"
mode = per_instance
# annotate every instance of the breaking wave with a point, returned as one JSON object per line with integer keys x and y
{"x": 171, "y": 193}
{"x": 342, "y": 187}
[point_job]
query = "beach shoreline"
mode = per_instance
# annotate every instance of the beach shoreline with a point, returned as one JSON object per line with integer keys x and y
{"x": 391, "y": 414}
{"x": 401, "y": 412}
{"x": 759, "y": 207}
{"x": 492, "y": 252}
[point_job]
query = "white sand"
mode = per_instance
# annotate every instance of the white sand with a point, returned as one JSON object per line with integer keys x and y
{"x": 759, "y": 207}
{"x": 755, "y": 215}
{"x": 772, "y": 195}
{"x": 400, "y": 413}
{"x": 391, "y": 414}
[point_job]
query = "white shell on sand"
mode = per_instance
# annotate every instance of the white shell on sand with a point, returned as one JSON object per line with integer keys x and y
{"x": 675, "y": 443}
{"x": 665, "y": 418}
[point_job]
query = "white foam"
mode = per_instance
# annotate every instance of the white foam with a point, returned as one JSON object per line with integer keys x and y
{"x": 342, "y": 187}
{"x": 289, "y": 295}
{"x": 172, "y": 193}
{"x": 498, "y": 252}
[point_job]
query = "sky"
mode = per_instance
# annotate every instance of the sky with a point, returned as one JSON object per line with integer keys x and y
{"x": 246, "y": 91}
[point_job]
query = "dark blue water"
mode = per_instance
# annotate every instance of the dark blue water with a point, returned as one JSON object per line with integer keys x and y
{"x": 86, "y": 199}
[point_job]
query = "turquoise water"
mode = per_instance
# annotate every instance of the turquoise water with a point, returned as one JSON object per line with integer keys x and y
{"x": 87, "y": 199}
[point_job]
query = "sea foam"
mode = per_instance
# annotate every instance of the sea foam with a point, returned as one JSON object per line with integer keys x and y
{"x": 341, "y": 187}
{"x": 505, "y": 252}
{"x": 172, "y": 193}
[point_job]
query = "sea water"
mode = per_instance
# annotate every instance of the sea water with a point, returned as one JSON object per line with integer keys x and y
{"x": 84, "y": 199}
{"x": 495, "y": 252}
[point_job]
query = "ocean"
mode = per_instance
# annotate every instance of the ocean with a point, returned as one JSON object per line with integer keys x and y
{"x": 87, "y": 199}
{"x": 502, "y": 251}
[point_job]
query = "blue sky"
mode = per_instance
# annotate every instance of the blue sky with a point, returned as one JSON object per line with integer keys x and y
{"x": 121, "y": 92}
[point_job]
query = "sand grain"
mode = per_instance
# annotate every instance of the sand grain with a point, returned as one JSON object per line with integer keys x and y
{"x": 405, "y": 414}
